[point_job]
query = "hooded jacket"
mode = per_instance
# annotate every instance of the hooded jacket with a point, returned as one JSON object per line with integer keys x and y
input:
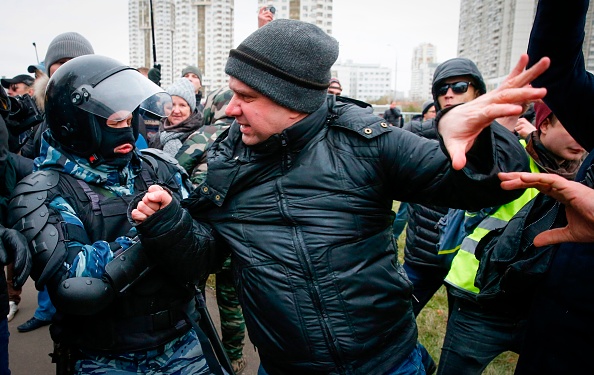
{"x": 458, "y": 66}
{"x": 307, "y": 216}
{"x": 422, "y": 233}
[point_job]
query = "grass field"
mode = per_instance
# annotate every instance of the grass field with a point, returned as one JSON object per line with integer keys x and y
{"x": 432, "y": 323}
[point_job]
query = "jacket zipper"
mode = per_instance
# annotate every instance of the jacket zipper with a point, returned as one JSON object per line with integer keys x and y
{"x": 306, "y": 262}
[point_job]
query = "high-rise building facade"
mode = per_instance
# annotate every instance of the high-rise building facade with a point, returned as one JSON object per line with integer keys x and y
{"x": 588, "y": 46}
{"x": 423, "y": 66}
{"x": 187, "y": 32}
{"x": 318, "y": 12}
{"x": 494, "y": 34}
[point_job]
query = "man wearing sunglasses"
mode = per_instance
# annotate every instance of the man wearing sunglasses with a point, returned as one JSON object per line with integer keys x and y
{"x": 475, "y": 334}
{"x": 456, "y": 81}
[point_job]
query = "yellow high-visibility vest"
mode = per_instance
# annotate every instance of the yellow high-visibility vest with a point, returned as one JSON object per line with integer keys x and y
{"x": 465, "y": 265}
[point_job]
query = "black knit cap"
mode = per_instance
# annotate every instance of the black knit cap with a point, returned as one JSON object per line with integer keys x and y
{"x": 288, "y": 61}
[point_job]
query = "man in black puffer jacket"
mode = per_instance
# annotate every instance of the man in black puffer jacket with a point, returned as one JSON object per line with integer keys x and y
{"x": 299, "y": 189}
{"x": 425, "y": 269}
{"x": 393, "y": 115}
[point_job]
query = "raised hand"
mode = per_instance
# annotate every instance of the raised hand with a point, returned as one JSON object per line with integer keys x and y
{"x": 577, "y": 198}
{"x": 460, "y": 126}
{"x": 264, "y": 16}
{"x": 524, "y": 127}
{"x": 155, "y": 199}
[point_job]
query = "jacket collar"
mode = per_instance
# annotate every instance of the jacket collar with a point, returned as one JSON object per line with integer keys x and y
{"x": 229, "y": 154}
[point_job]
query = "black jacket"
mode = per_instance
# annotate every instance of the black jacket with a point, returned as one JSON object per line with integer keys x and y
{"x": 7, "y": 184}
{"x": 560, "y": 326}
{"x": 422, "y": 233}
{"x": 307, "y": 215}
{"x": 394, "y": 117}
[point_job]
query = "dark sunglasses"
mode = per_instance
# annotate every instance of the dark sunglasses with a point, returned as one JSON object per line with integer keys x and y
{"x": 457, "y": 88}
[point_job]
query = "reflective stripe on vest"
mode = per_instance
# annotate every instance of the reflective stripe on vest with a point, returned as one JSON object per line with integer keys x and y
{"x": 465, "y": 265}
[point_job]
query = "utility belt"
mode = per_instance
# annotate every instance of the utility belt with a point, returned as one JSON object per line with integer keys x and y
{"x": 174, "y": 319}
{"x": 160, "y": 321}
{"x": 182, "y": 319}
{"x": 107, "y": 332}
{"x": 102, "y": 335}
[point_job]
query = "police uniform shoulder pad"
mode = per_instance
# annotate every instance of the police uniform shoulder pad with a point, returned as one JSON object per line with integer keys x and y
{"x": 29, "y": 196}
{"x": 29, "y": 214}
{"x": 37, "y": 181}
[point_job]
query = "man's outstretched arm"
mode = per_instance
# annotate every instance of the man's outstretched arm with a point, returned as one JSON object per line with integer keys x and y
{"x": 558, "y": 33}
{"x": 577, "y": 198}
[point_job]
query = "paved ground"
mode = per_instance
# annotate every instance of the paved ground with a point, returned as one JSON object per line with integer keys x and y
{"x": 28, "y": 352}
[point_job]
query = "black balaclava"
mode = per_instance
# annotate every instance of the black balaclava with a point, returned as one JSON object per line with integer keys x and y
{"x": 112, "y": 138}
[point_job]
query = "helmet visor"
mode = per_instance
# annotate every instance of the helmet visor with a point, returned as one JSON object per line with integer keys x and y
{"x": 118, "y": 95}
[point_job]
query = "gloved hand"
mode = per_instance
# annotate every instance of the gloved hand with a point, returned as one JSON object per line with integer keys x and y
{"x": 14, "y": 248}
{"x": 154, "y": 74}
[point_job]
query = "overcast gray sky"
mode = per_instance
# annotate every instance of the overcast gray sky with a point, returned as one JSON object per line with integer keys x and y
{"x": 369, "y": 31}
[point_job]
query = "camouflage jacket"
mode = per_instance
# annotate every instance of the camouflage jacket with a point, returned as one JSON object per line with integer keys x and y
{"x": 192, "y": 155}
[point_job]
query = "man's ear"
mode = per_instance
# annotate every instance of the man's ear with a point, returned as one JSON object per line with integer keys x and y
{"x": 544, "y": 127}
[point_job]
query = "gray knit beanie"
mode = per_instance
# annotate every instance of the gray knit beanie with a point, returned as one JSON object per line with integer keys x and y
{"x": 67, "y": 45}
{"x": 288, "y": 61}
{"x": 192, "y": 69}
{"x": 185, "y": 90}
{"x": 425, "y": 107}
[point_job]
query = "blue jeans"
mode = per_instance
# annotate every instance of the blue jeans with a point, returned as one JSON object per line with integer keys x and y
{"x": 4, "y": 334}
{"x": 475, "y": 336}
{"x": 400, "y": 220}
{"x": 426, "y": 281}
{"x": 413, "y": 365}
{"x": 45, "y": 308}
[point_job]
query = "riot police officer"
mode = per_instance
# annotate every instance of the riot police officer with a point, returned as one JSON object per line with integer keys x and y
{"x": 116, "y": 311}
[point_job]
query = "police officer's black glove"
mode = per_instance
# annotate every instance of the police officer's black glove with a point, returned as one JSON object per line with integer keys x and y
{"x": 14, "y": 248}
{"x": 155, "y": 74}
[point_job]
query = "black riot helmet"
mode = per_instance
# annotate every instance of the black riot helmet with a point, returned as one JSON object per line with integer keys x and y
{"x": 86, "y": 91}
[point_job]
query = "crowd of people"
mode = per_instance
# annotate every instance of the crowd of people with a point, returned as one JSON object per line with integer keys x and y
{"x": 120, "y": 198}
